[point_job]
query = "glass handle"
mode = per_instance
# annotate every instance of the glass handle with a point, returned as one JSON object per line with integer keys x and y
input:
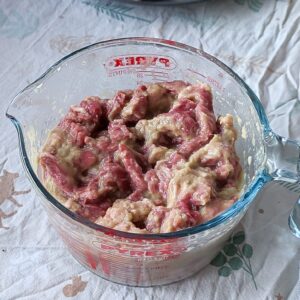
{"x": 284, "y": 165}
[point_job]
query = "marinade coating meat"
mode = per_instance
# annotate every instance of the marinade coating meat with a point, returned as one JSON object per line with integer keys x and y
{"x": 83, "y": 119}
{"x": 162, "y": 220}
{"x": 150, "y": 160}
{"x": 126, "y": 214}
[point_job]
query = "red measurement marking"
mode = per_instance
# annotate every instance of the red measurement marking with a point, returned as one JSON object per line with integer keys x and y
{"x": 217, "y": 84}
{"x": 90, "y": 259}
{"x": 105, "y": 265}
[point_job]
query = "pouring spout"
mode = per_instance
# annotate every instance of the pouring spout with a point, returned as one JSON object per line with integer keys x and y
{"x": 18, "y": 107}
{"x": 11, "y": 111}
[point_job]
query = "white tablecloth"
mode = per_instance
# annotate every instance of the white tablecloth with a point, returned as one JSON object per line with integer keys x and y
{"x": 259, "y": 39}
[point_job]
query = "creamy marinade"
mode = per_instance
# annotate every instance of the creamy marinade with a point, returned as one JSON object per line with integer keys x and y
{"x": 150, "y": 160}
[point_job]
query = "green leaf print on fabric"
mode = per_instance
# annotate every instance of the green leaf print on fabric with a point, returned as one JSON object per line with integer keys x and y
{"x": 235, "y": 263}
{"x": 247, "y": 251}
{"x": 118, "y": 12}
{"x": 254, "y": 5}
{"x": 234, "y": 256}
{"x": 224, "y": 271}
{"x": 238, "y": 238}
{"x": 230, "y": 249}
{"x": 219, "y": 260}
{"x": 17, "y": 25}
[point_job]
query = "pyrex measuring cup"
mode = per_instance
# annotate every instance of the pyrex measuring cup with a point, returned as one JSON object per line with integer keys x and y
{"x": 101, "y": 69}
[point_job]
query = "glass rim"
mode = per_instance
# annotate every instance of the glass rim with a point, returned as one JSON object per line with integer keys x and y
{"x": 257, "y": 183}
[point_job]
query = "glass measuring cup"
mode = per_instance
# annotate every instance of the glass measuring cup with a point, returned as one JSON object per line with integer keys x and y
{"x": 101, "y": 69}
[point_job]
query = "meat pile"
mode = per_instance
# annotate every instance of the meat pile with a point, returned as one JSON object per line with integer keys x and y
{"x": 150, "y": 160}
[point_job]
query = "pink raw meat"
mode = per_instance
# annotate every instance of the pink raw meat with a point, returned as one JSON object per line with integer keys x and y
{"x": 116, "y": 104}
{"x": 156, "y": 152}
{"x": 133, "y": 168}
{"x": 59, "y": 175}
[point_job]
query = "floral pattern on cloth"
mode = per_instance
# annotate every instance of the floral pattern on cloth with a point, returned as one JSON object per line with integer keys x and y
{"x": 235, "y": 255}
{"x": 254, "y": 5}
{"x": 8, "y": 193}
{"x": 77, "y": 286}
{"x": 116, "y": 11}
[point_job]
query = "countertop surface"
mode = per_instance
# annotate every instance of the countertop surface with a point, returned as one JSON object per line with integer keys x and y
{"x": 259, "y": 39}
